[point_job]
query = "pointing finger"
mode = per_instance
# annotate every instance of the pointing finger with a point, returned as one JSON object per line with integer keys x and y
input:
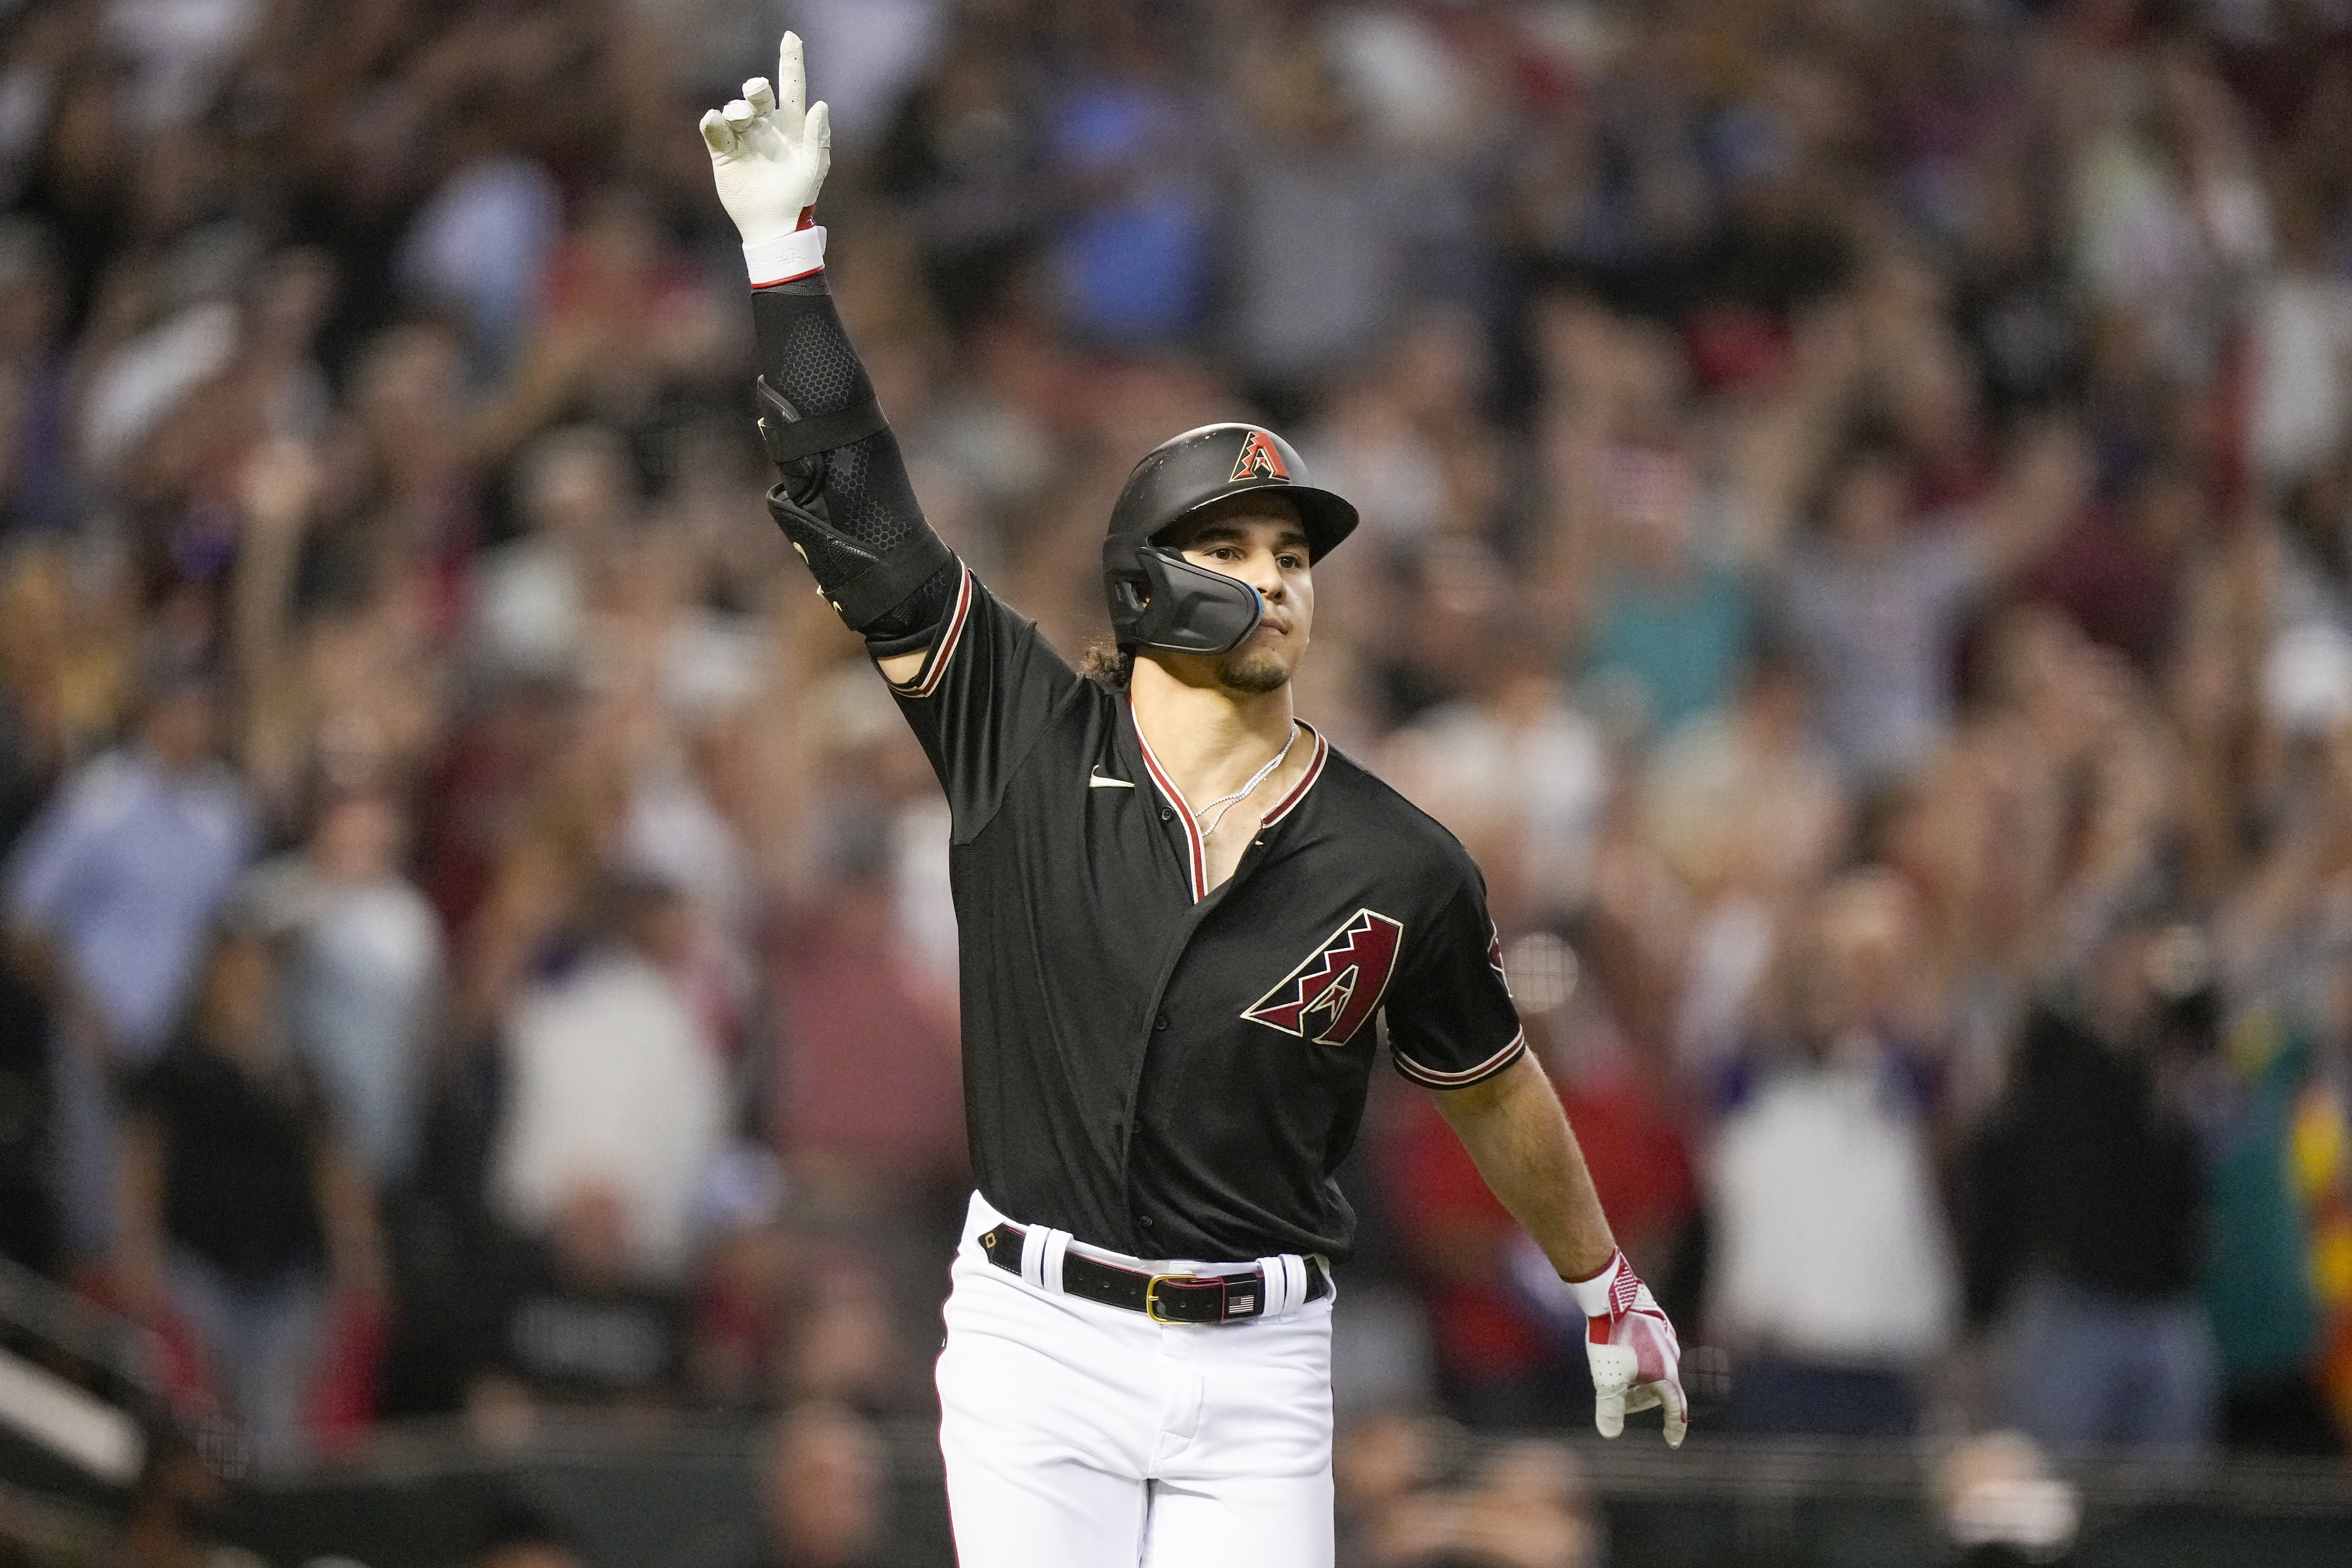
{"x": 792, "y": 81}
{"x": 717, "y": 135}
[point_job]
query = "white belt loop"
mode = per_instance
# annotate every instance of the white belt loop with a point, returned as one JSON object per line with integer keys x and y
{"x": 1277, "y": 1288}
{"x": 1286, "y": 1284}
{"x": 1043, "y": 1248}
{"x": 1057, "y": 1247}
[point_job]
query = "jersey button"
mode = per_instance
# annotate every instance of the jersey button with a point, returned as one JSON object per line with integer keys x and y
{"x": 1145, "y": 1221}
{"x": 1167, "y": 814}
{"x": 1161, "y": 1022}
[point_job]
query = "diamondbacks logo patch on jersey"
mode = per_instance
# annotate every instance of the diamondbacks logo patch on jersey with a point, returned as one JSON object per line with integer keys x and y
{"x": 1327, "y": 998}
{"x": 1258, "y": 459}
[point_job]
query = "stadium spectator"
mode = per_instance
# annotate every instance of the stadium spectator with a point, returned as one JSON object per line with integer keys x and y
{"x": 517, "y": 1535}
{"x": 822, "y": 1492}
{"x": 615, "y": 1099}
{"x": 1527, "y": 1505}
{"x": 1321, "y": 227}
{"x": 530, "y": 595}
{"x": 1877, "y": 601}
{"x": 1828, "y": 1156}
{"x": 1672, "y": 613}
{"x": 2085, "y": 1217}
{"x": 113, "y": 889}
{"x": 563, "y": 1319}
{"x": 362, "y": 971}
{"x": 2002, "y": 1507}
{"x": 38, "y": 479}
{"x": 1521, "y": 778}
{"x": 242, "y": 1208}
{"x": 111, "y": 896}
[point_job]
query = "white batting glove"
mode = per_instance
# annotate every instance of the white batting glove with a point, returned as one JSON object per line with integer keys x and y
{"x": 769, "y": 158}
{"x": 1635, "y": 1358}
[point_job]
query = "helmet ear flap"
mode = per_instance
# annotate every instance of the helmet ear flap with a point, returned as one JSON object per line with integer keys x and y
{"x": 1158, "y": 599}
{"x": 1181, "y": 607}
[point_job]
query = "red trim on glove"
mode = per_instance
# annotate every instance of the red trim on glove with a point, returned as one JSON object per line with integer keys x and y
{"x": 1624, "y": 1290}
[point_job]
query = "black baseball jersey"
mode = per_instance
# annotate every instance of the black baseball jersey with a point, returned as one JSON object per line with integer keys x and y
{"x": 1156, "y": 1066}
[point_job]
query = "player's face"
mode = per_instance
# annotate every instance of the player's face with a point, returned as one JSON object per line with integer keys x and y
{"x": 1265, "y": 547}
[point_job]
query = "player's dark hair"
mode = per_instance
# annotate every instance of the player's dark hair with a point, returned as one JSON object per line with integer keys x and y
{"x": 1108, "y": 665}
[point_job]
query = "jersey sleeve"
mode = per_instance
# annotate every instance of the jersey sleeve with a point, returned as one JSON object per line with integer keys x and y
{"x": 989, "y": 687}
{"x": 1451, "y": 1020}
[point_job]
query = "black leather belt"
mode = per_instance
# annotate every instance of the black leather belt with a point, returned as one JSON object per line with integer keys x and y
{"x": 1162, "y": 1298}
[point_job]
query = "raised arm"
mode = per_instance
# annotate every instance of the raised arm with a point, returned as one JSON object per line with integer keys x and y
{"x": 844, "y": 501}
{"x": 2047, "y": 481}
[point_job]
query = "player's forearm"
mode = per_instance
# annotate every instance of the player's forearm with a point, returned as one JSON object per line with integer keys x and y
{"x": 1518, "y": 1135}
{"x": 846, "y": 501}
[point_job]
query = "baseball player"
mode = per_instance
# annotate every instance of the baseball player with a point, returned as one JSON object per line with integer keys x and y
{"x": 1181, "y": 911}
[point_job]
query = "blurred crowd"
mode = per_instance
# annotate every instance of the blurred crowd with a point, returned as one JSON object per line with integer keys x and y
{"x": 1857, "y": 541}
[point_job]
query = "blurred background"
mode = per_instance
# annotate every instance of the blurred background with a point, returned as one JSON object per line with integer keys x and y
{"x": 1857, "y": 540}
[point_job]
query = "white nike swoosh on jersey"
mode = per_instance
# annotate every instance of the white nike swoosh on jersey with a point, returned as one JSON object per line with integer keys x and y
{"x": 1097, "y": 782}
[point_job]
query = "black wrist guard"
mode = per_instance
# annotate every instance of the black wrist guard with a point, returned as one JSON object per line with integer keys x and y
{"x": 845, "y": 503}
{"x": 793, "y": 441}
{"x": 863, "y": 583}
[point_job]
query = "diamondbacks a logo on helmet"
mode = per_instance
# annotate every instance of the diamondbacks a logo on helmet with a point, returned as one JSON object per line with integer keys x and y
{"x": 1327, "y": 998}
{"x": 1259, "y": 459}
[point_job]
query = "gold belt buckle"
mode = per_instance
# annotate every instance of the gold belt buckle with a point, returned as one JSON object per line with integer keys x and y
{"x": 1151, "y": 1300}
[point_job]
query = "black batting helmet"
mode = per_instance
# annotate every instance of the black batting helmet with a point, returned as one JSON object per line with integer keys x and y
{"x": 1159, "y": 600}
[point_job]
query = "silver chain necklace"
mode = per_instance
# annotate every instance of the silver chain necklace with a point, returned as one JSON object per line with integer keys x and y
{"x": 1226, "y": 803}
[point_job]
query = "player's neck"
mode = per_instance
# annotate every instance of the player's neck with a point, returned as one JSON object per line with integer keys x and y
{"x": 1207, "y": 737}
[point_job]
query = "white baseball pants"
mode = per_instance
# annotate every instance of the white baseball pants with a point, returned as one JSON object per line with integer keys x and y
{"x": 1082, "y": 1435}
